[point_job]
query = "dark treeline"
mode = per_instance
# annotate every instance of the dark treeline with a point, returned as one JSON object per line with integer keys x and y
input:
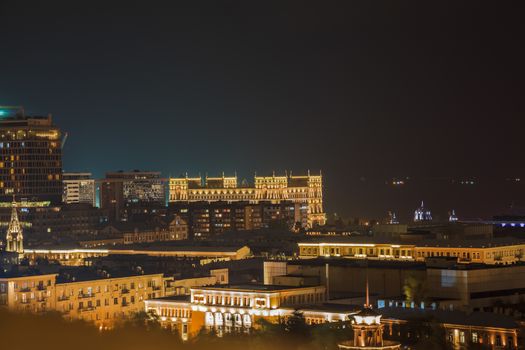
{"x": 141, "y": 332}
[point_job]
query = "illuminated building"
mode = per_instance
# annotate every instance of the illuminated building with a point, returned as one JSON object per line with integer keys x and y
{"x": 304, "y": 190}
{"x": 30, "y": 158}
{"x": 206, "y": 219}
{"x": 78, "y": 256}
{"x": 461, "y": 330}
{"x": 49, "y": 222}
{"x": 101, "y": 299}
{"x": 160, "y": 230}
{"x": 392, "y": 219}
{"x": 495, "y": 251}
{"x": 14, "y": 237}
{"x": 422, "y": 214}
{"x": 78, "y": 188}
{"x": 368, "y": 330}
{"x": 136, "y": 192}
{"x": 452, "y": 216}
{"x": 234, "y": 308}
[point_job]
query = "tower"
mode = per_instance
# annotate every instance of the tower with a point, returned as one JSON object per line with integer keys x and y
{"x": 452, "y": 217}
{"x": 31, "y": 152}
{"x": 422, "y": 213}
{"x": 14, "y": 237}
{"x": 368, "y": 330}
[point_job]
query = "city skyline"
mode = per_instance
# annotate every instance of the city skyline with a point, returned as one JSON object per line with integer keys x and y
{"x": 352, "y": 90}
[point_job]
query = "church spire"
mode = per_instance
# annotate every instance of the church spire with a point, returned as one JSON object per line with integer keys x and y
{"x": 14, "y": 236}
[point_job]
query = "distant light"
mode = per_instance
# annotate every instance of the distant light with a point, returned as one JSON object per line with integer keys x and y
{"x": 513, "y": 224}
{"x": 522, "y": 225}
{"x": 503, "y": 224}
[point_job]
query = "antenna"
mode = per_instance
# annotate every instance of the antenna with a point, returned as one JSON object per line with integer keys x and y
{"x": 367, "y": 293}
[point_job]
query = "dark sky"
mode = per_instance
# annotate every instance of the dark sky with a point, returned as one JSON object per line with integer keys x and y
{"x": 364, "y": 90}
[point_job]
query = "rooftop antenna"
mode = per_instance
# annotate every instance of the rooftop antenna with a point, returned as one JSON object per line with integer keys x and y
{"x": 64, "y": 139}
{"x": 367, "y": 293}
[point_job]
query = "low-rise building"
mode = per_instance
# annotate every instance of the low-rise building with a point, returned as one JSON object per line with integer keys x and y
{"x": 78, "y": 256}
{"x": 232, "y": 308}
{"x": 99, "y": 298}
{"x": 494, "y": 251}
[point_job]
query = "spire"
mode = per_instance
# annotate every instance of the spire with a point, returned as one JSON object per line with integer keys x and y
{"x": 367, "y": 293}
{"x": 14, "y": 237}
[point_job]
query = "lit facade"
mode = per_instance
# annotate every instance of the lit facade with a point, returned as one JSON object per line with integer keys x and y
{"x": 30, "y": 158}
{"x": 123, "y": 193}
{"x": 234, "y": 308}
{"x": 78, "y": 257}
{"x": 466, "y": 252}
{"x": 101, "y": 301}
{"x": 422, "y": 214}
{"x": 78, "y": 188}
{"x": 14, "y": 239}
{"x": 307, "y": 190}
{"x": 206, "y": 219}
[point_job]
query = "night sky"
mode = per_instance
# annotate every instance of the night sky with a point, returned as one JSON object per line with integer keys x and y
{"x": 364, "y": 90}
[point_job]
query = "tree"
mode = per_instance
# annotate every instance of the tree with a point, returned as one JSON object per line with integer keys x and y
{"x": 415, "y": 289}
{"x": 295, "y": 325}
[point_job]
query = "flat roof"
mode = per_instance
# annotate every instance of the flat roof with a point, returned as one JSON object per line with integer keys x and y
{"x": 480, "y": 319}
{"x": 177, "y": 298}
{"x": 172, "y": 248}
{"x": 326, "y": 307}
{"x": 253, "y": 287}
{"x": 372, "y": 263}
{"x": 468, "y": 243}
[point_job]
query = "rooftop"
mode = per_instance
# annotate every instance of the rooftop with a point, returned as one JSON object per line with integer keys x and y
{"x": 480, "y": 319}
{"x": 471, "y": 243}
{"x": 333, "y": 261}
{"x": 251, "y": 287}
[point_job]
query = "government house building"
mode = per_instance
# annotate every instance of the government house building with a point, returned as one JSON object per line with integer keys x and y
{"x": 306, "y": 190}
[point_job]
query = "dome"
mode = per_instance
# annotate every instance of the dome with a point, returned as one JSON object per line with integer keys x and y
{"x": 367, "y": 316}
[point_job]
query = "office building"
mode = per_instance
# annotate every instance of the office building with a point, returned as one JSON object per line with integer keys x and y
{"x": 206, "y": 219}
{"x": 30, "y": 158}
{"x": 124, "y": 194}
{"x": 304, "y": 190}
{"x": 79, "y": 188}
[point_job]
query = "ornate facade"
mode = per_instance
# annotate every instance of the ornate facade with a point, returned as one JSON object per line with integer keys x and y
{"x": 306, "y": 190}
{"x": 14, "y": 237}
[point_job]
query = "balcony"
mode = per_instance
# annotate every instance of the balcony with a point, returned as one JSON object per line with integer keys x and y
{"x": 83, "y": 296}
{"x": 24, "y": 290}
{"x": 41, "y": 287}
{"x": 86, "y": 309}
{"x": 63, "y": 298}
{"x": 155, "y": 288}
{"x": 125, "y": 291}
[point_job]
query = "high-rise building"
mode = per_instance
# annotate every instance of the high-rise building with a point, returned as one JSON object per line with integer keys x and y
{"x": 78, "y": 188}
{"x": 30, "y": 157}
{"x": 123, "y": 193}
{"x": 305, "y": 190}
